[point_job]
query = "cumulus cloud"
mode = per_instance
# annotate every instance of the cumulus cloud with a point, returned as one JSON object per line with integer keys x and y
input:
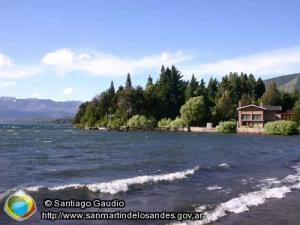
{"x": 68, "y": 91}
{"x": 61, "y": 57}
{"x": 281, "y": 61}
{"x": 102, "y": 64}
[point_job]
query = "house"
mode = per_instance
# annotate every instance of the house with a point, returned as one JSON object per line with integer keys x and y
{"x": 258, "y": 116}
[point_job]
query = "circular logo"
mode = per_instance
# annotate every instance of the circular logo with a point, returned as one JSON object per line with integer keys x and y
{"x": 20, "y": 206}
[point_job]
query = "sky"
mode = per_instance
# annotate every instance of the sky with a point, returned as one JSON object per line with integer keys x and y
{"x": 72, "y": 50}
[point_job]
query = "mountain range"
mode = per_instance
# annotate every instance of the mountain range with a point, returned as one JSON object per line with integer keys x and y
{"x": 13, "y": 110}
{"x": 287, "y": 82}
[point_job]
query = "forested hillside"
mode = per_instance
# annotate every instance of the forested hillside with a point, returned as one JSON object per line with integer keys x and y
{"x": 165, "y": 97}
{"x": 287, "y": 83}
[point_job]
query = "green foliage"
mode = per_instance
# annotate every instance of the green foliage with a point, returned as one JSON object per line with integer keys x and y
{"x": 224, "y": 109}
{"x": 170, "y": 96}
{"x": 227, "y": 127}
{"x": 281, "y": 127}
{"x": 271, "y": 95}
{"x": 128, "y": 83}
{"x": 164, "y": 124}
{"x": 140, "y": 122}
{"x": 170, "y": 90}
{"x": 177, "y": 123}
{"x": 193, "y": 110}
{"x": 296, "y": 111}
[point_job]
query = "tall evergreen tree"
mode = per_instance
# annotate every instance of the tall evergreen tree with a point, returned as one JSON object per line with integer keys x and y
{"x": 271, "y": 95}
{"x": 111, "y": 89}
{"x": 128, "y": 83}
{"x": 191, "y": 88}
{"x": 149, "y": 82}
{"x": 224, "y": 109}
{"x": 259, "y": 88}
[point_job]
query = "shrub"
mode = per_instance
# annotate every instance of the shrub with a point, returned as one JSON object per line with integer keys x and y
{"x": 296, "y": 111}
{"x": 193, "y": 110}
{"x": 281, "y": 127}
{"x": 227, "y": 127}
{"x": 177, "y": 123}
{"x": 140, "y": 122}
{"x": 116, "y": 123}
{"x": 164, "y": 124}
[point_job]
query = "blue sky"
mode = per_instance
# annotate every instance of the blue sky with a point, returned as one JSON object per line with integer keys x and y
{"x": 65, "y": 50}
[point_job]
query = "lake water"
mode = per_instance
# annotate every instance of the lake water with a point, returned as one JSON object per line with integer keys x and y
{"x": 227, "y": 176}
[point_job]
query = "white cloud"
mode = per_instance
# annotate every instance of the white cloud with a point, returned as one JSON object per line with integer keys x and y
{"x": 101, "y": 64}
{"x": 35, "y": 95}
{"x": 9, "y": 70}
{"x": 61, "y": 57}
{"x": 281, "y": 61}
{"x": 7, "y": 83}
{"x": 5, "y": 61}
{"x": 61, "y": 61}
{"x": 69, "y": 91}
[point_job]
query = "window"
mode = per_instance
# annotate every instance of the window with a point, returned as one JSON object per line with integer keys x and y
{"x": 257, "y": 117}
{"x": 246, "y": 117}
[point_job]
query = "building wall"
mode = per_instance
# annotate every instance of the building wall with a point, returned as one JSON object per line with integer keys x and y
{"x": 252, "y": 113}
{"x": 271, "y": 116}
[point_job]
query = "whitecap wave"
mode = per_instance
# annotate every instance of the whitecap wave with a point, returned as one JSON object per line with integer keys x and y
{"x": 224, "y": 165}
{"x": 122, "y": 185}
{"x": 245, "y": 201}
{"x": 214, "y": 188}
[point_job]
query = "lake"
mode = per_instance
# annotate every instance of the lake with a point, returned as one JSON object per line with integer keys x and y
{"x": 229, "y": 176}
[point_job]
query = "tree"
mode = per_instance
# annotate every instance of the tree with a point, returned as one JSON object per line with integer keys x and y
{"x": 212, "y": 89}
{"x": 111, "y": 89}
{"x": 149, "y": 82}
{"x": 296, "y": 111}
{"x": 191, "y": 88}
{"x": 170, "y": 92}
{"x": 80, "y": 113}
{"x": 128, "y": 81}
{"x": 259, "y": 88}
{"x": 251, "y": 84}
{"x": 193, "y": 110}
{"x": 165, "y": 97}
{"x": 288, "y": 99}
{"x": 245, "y": 99}
{"x": 224, "y": 109}
{"x": 271, "y": 95}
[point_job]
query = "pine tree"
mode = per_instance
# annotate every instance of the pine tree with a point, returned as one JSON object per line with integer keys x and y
{"x": 245, "y": 99}
{"x": 128, "y": 81}
{"x": 271, "y": 95}
{"x": 259, "y": 88}
{"x": 111, "y": 89}
{"x": 149, "y": 82}
{"x": 191, "y": 88}
{"x": 224, "y": 109}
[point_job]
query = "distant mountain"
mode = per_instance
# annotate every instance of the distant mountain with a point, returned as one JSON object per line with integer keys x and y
{"x": 287, "y": 82}
{"x": 14, "y": 110}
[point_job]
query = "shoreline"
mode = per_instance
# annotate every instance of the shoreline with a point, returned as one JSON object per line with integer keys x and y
{"x": 242, "y": 130}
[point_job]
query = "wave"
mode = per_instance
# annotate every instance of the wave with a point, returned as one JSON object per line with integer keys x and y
{"x": 224, "y": 165}
{"x": 245, "y": 201}
{"x": 122, "y": 185}
{"x": 214, "y": 187}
